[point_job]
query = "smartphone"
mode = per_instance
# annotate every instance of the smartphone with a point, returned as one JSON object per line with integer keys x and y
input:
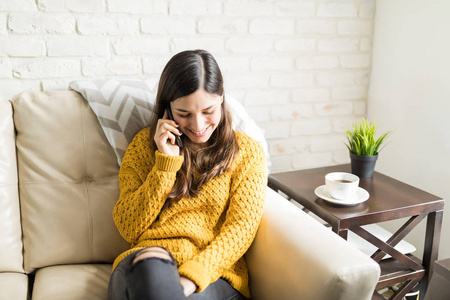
{"x": 178, "y": 138}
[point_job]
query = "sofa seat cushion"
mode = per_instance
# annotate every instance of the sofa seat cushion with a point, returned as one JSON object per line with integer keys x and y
{"x": 89, "y": 281}
{"x": 13, "y": 286}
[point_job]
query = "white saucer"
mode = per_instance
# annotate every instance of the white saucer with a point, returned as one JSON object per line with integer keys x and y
{"x": 361, "y": 196}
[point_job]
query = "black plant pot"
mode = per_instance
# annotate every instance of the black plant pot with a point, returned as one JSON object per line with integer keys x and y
{"x": 363, "y": 166}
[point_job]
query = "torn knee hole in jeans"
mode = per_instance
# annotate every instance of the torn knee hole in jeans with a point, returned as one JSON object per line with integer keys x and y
{"x": 153, "y": 253}
{"x": 146, "y": 259}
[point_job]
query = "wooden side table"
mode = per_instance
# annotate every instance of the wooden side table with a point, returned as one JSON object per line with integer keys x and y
{"x": 389, "y": 199}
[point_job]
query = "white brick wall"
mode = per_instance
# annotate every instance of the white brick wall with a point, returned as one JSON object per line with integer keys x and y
{"x": 301, "y": 68}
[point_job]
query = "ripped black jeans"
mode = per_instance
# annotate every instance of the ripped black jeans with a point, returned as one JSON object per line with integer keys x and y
{"x": 157, "y": 278}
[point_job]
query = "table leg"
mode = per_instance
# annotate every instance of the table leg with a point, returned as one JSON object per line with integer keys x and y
{"x": 343, "y": 233}
{"x": 399, "y": 235}
{"x": 431, "y": 248}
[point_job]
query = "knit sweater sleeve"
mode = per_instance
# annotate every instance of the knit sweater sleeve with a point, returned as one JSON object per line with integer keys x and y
{"x": 145, "y": 179}
{"x": 247, "y": 196}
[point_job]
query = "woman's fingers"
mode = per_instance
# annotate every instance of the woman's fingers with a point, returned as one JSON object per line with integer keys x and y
{"x": 165, "y": 138}
{"x": 171, "y": 128}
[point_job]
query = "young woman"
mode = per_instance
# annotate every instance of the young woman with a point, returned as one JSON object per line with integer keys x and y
{"x": 189, "y": 212}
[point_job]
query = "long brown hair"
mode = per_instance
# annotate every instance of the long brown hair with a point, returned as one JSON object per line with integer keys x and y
{"x": 185, "y": 73}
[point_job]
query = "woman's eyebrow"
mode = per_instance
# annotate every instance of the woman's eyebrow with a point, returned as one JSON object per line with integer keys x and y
{"x": 212, "y": 106}
{"x": 181, "y": 110}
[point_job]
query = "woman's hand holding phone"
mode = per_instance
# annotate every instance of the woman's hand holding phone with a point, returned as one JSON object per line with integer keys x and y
{"x": 166, "y": 136}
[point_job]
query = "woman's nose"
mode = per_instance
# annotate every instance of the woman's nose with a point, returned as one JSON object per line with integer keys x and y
{"x": 197, "y": 123}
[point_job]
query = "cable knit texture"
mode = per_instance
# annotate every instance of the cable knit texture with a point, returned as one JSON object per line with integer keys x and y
{"x": 208, "y": 234}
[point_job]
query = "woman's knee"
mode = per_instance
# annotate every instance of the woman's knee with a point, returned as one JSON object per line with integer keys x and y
{"x": 152, "y": 252}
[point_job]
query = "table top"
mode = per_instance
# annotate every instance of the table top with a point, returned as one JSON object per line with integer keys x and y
{"x": 389, "y": 198}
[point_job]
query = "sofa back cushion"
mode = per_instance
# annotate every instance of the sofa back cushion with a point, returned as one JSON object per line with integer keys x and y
{"x": 10, "y": 231}
{"x": 68, "y": 181}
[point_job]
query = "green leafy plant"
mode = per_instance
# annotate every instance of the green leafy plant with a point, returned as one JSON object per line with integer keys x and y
{"x": 361, "y": 139}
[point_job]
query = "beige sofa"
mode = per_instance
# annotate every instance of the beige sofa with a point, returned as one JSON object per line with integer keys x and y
{"x": 58, "y": 186}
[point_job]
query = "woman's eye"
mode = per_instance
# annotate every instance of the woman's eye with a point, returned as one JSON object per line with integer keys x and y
{"x": 208, "y": 112}
{"x": 183, "y": 116}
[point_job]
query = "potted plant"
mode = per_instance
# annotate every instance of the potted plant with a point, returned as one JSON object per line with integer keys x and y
{"x": 364, "y": 147}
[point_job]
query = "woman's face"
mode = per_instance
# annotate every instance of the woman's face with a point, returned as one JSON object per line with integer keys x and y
{"x": 197, "y": 114}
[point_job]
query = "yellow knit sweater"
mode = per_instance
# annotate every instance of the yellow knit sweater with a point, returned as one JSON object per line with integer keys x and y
{"x": 208, "y": 234}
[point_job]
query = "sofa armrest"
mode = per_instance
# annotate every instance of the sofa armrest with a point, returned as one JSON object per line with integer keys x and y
{"x": 295, "y": 257}
{"x": 11, "y": 259}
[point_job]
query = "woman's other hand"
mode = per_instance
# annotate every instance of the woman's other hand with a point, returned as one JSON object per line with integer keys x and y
{"x": 165, "y": 136}
{"x": 188, "y": 285}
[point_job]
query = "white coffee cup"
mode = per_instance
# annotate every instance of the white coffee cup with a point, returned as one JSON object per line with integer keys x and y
{"x": 341, "y": 185}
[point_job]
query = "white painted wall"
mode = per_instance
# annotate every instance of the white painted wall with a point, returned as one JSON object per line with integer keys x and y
{"x": 301, "y": 68}
{"x": 410, "y": 93}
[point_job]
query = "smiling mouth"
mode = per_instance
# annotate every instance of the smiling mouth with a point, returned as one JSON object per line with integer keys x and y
{"x": 199, "y": 133}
